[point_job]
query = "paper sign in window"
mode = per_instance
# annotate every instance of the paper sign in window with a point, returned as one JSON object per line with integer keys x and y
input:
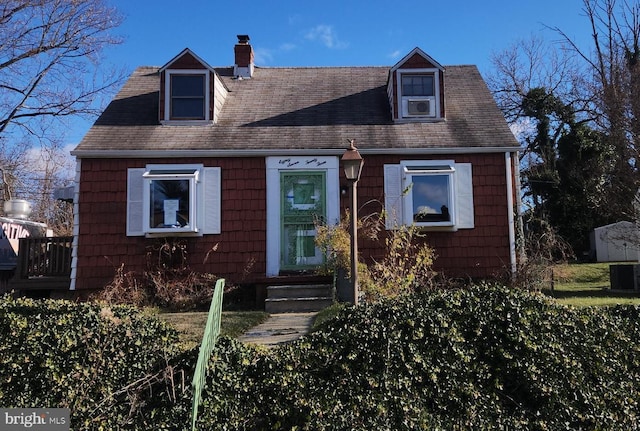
{"x": 170, "y": 211}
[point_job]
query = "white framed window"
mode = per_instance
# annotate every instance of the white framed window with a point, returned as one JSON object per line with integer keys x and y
{"x": 419, "y": 93}
{"x": 170, "y": 196}
{"x": 430, "y": 199}
{"x": 170, "y": 200}
{"x": 418, "y": 85}
{"x": 186, "y": 96}
{"x": 436, "y": 194}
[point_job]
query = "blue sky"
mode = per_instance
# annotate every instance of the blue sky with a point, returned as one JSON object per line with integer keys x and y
{"x": 335, "y": 33}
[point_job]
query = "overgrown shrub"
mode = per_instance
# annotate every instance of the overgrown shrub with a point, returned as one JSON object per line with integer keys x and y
{"x": 126, "y": 287}
{"x": 478, "y": 358}
{"x": 114, "y": 367}
{"x": 168, "y": 281}
{"x": 486, "y": 357}
{"x": 406, "y": 266}
{"x": 540, "y": 248}
{"x": 334, "y": 243}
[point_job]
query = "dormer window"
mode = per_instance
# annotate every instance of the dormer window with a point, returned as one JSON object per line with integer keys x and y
{"x": 417, "y": 85}
{"x": 188, "y": 95}
{"x": 418, "y": 89}
{"x": 188, "y": 89}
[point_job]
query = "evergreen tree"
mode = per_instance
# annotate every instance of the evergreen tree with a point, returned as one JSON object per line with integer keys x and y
{"x": 571, "y": 177}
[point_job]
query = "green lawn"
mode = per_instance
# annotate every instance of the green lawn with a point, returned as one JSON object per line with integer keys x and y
{"x": 191, "y": 324}
{"x": 587, "y": 284}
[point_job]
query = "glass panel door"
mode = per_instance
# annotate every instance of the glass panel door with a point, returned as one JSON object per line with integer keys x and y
{"x": 303, "y": 202}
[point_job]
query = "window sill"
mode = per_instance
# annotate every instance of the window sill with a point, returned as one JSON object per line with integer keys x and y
{"x": 186, "y": 122}
{"x": 420, "y": 120}
{"x": 172, "y": 233}
{"x": 448, "y": 228}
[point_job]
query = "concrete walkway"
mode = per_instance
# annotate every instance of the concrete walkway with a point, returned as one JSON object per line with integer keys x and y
{"x": 279, "y": 328}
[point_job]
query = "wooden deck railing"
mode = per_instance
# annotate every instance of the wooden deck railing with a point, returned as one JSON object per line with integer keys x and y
{"x": 44, "y": 257}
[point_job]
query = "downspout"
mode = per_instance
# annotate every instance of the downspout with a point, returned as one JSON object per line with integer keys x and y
{"x": 76, "y": 226}
{"x": 510, "y": 212}
{"x": 521, "y": 255}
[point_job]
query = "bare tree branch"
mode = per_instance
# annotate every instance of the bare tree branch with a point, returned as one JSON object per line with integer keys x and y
{"x": 50, "y": 70}
{"x": 49, "y": 51}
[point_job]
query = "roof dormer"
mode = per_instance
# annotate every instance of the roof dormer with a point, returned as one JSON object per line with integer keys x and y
{"x": 189, "y": 88}
{"x": 416, "y": 88}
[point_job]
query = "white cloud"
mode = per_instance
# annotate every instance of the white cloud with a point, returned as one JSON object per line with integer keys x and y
{"x": 327, "y": 36}
{"x": 287, "y": 47}
{"x": 522, "y": 128}
{"x": 262, "y": 56}
{"x": 61, "y": 162}
{"x": 395, "y": 54}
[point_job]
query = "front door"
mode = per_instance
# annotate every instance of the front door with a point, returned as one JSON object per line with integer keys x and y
{"x": 303, "y": 204}
{"x": 301, "y": 190}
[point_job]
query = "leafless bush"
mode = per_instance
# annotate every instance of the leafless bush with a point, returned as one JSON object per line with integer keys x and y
{"x": 543, "y": 248}
{"x": 182, "y": 291}
{"x": 168, "y": 282}
{"x": 126, "y": 287}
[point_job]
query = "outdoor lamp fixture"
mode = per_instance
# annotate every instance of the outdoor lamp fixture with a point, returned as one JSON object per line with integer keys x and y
{"x": 352, "y": 164}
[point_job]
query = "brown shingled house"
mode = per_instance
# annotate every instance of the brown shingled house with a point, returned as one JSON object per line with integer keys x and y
{"x": 245, "y": 157}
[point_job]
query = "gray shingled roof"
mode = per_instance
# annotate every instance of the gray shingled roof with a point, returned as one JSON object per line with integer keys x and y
{"x": 290, "y": 109}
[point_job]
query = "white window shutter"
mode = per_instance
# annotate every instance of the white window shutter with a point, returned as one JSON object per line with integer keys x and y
{"x": 135, "y": 202}
{"x": 393, "y": 196}
{"x": 212, "y": 202}
{"x": 464, "y": 196}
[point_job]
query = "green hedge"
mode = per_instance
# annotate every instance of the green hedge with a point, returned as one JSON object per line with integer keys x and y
{"x": 482, "y": 358}
{"x": 109, "y": 365}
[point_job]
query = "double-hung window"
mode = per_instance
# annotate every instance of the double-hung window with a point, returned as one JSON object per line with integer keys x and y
{"x": 169, "y": 200}
{"x": 187, "y": 95}
{"x": 436, "y": 194}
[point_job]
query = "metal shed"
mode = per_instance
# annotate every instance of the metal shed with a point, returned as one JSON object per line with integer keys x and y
{"x": 616, "y": 242}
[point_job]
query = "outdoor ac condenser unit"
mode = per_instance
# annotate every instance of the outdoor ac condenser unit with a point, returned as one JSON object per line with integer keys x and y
{"x": 624, "y": 277}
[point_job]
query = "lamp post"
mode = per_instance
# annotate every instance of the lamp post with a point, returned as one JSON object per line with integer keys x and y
{"x": 352, "y": 164}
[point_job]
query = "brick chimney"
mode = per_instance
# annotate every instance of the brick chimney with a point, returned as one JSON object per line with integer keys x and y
{"x": 243, "y": 67}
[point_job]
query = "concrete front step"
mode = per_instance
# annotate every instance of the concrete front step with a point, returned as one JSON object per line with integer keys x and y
{"x": 298, "y": 291}
{"x": 298, "y": 298}
{"x": 296, "y": 305}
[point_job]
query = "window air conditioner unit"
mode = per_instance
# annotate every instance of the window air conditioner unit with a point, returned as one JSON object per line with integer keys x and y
{"x": 419, "y": 107}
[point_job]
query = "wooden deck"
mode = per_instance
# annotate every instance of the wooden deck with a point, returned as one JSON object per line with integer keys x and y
{"x": 43, "y": 264}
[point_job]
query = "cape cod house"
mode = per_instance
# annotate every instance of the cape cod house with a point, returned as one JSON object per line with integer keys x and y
{"x": 246, "y": 157}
